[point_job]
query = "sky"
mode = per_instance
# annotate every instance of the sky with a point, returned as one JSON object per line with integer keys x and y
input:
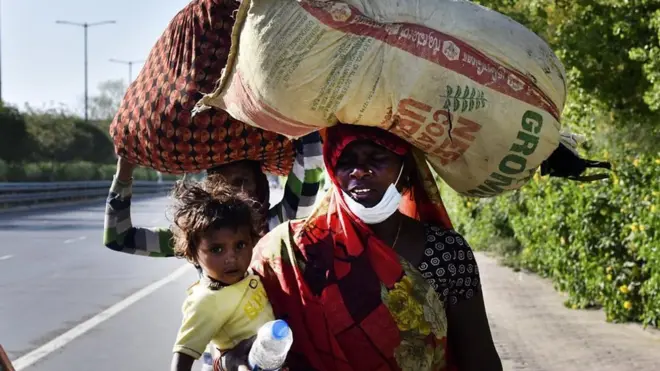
{"x": 43, "y": 62}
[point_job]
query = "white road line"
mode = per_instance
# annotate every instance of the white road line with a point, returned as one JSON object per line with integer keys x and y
{"x": 81, "y": 238}
{"x": 62, "y": 340}
{"x": 6, "y": 257}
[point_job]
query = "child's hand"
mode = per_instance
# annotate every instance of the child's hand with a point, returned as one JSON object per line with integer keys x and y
{"x": 236, "y": 359}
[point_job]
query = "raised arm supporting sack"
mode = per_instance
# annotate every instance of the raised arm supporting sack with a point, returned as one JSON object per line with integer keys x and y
{"x": 154, "y": 127}
{"x": 480, "y": 94}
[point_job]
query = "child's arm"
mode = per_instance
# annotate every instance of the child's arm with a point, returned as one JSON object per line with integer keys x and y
{"x": 119, "y": 233}
{"x": 303, "y": 183}
{"x": 182, "y": 362}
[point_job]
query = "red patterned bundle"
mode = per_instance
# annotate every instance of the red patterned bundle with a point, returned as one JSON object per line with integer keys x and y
{"x": 154, "y": 126}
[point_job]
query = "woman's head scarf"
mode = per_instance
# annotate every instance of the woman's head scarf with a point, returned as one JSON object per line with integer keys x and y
{"x": 423, "y": 202}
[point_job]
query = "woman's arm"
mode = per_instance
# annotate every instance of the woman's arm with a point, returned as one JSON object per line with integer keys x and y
{"x": 303, "y": 183}
{"x": 468, "y": 329}
{"x": 469, "y": 335}
{"x": 119, "y": 233}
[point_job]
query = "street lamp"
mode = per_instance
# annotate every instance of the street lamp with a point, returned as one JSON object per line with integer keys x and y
{"x": 130, "y": 67}
{"x": 86, "y": 26}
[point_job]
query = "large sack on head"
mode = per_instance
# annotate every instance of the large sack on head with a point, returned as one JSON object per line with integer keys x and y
{"x": 480, "y": 94}
{"x": 154, "y": 127}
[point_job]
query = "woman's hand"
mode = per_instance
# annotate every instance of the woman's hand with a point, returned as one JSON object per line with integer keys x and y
{"x": 236, "y": 359}
{"x": 125, "y": 169}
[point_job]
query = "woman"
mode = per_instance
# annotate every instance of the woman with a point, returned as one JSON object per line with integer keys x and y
{"x": 374, "y": 280}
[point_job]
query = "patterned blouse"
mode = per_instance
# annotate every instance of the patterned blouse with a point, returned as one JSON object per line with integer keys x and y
{"x": 449, "y": 265}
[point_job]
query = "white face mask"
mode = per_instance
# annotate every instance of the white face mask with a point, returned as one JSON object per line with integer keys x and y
{"x": 387, "y": 206}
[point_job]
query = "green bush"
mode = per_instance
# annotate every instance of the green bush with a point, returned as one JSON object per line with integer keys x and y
{"x": 14, "y": 138}
{"x": 4, "y": 168}
{"x": 68, "y": 171}
{"x": 61, "y": 137}
{"x": 598, "y": 242}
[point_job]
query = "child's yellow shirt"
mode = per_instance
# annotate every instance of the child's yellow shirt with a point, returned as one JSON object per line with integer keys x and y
{"x": 222, "y": 315}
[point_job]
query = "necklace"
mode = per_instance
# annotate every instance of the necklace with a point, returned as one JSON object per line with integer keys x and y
{"x": 398, "y": 231}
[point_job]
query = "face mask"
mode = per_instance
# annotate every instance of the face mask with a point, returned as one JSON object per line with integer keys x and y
{"x": 387, "y": 206}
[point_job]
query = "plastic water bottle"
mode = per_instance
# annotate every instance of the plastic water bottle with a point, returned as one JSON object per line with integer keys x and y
{"x": 207, "y": 362}
{"x": 271, "y": 346}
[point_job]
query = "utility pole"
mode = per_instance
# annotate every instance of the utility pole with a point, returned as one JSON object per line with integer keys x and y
{"x": 130, "y": 67}
{"x": 86, "y": 26}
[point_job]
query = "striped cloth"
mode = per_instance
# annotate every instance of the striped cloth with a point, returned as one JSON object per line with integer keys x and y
{"x": 300, "y": 193}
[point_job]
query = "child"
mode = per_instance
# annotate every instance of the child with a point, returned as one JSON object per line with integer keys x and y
{"x": 215, "y": 228}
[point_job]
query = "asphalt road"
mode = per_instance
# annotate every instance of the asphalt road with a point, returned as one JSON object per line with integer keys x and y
{"x": 57, "y": 279}
{"x": 67, "y": 303}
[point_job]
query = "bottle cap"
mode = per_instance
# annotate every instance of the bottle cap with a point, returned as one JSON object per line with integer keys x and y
{"x": 280, "y": 329}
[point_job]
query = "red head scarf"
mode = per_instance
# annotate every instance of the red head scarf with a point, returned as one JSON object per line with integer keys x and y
{"x": 419, "y": 205}
{"x": 338, "y": 137}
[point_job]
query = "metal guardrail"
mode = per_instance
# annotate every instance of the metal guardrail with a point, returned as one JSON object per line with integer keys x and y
{"x": 17, "y": 194}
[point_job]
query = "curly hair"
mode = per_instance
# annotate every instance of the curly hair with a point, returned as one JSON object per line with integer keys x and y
{"x": 205, "y": 205}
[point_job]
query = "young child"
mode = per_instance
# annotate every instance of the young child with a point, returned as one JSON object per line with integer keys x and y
{"x": 215, "y": 228}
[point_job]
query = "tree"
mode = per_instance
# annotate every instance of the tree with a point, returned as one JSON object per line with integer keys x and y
{"x": 611, "y": 50}
{"x": 90, "y": 143}
{"x": 52, "y": 132}
{"x": 14, "y": 138}
{"x": 60, "y": 136}
{"x": 105, "y": 105}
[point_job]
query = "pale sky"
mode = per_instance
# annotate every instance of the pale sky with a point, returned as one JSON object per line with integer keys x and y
{"x": 42, "y": 62}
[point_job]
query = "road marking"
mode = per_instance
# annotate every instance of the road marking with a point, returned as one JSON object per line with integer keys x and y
{"x": 81, "y": 238}
{"x": 6, "y": 257}
{"x": 67, "y": 337}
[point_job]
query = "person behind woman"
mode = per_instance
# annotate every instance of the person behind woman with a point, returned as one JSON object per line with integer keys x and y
{"x": 299, "y": 197}
{"x": 374, "y": 280}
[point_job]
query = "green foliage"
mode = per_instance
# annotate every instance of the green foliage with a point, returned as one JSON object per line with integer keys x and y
{"x": 56, "y": 145}
{"x": 598, "y": 242}
{"x": 14, "y": 138}
{"x": 58, "y": 136}
{"x": 68, "y": 171}
{"x": 611, "y": 50}
{"x": 3, "y": 170}
{"x": 90, "y": 144}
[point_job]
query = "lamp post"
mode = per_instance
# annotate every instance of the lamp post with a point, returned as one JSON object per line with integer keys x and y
{"x": 130, "y": 67}
{"x": 85, "y": 27}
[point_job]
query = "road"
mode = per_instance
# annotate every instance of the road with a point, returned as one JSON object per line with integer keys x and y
{"x": 55, "y": 274}
{"x": 70, "y": 304}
